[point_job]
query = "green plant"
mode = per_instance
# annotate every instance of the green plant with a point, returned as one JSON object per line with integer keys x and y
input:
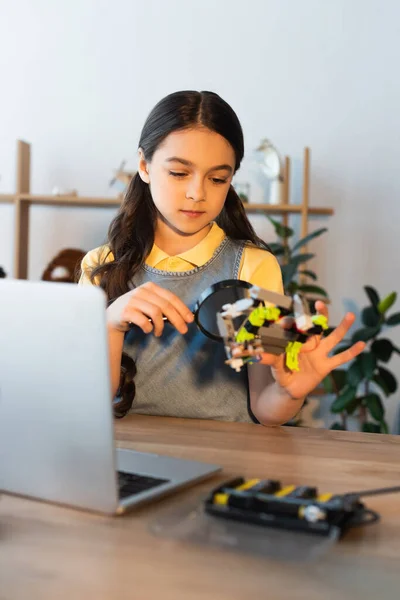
{"x": 359, "y": 388}
{"x": 292, "y": 261}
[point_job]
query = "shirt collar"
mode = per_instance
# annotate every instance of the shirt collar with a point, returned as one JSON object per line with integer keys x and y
{"x": 197, "y": 256}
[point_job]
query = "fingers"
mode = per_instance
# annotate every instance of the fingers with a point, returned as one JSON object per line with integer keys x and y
{"x": 338, "y": 334}
{"x": 138, "y": 318}
{"x": 149, "y": 311}
{"x": 169, "y": 305}
{"x": 172, "y": 299}
{"x": 322, "y": 308}
{"x": 156, "y": 303}
{"x": 270, "y": 359}
{"x": 311, "y": 343}
{"x": 347, "y": 355}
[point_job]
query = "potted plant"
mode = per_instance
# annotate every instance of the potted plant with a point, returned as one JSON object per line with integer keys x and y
{"x": 359, "y": 390}
{"x": 292, "y": 261}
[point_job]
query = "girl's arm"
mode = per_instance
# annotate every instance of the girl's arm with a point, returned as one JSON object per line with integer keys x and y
{"x": 115, "y": 345}
{"x": 269, "y": 402}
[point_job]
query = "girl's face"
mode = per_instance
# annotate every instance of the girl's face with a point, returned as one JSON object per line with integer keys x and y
{"x": 189, "y": 178}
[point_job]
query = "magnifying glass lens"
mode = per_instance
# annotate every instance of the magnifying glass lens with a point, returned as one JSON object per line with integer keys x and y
{"x": 212, "y": 300}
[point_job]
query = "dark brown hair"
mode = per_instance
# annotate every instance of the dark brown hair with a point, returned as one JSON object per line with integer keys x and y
{"x": 131, "y": 233}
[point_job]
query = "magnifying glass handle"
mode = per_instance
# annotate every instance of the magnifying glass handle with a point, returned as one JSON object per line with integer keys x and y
{"x": 164, "y": 319}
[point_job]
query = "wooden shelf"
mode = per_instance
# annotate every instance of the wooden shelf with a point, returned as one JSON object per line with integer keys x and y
{"x": 70, "y": 200}
{"x": 6, "y": 199}
{"x": 110, "y": 202}
{"x": 286, "y": 209}
{"x": 23, "y": 200}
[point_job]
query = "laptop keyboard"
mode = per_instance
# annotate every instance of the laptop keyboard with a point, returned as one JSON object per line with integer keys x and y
{"x": 130, "y": 484}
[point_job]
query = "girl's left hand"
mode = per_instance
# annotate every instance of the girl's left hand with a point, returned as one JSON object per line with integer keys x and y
{"x": 314, "y": 362}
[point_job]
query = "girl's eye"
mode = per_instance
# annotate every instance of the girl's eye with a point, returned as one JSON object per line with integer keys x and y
{"x": 218, "y": 181}
{"x": 176, "y": 174}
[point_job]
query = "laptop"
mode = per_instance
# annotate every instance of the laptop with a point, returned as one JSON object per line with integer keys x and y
{"x": 56, "y": 421}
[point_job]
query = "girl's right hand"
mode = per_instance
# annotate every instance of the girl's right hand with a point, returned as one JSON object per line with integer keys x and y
{"x": 148, "y": 301}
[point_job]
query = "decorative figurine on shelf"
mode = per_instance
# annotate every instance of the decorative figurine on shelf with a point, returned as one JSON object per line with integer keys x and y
{"x": 122, "y": 178}
{"x": 64, "y": 266}
{"x": 271, "y": 166}
{"x": 265, "y": 321}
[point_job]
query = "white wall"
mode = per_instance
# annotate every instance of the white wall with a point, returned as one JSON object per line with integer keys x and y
{"x": 78, "y": 78}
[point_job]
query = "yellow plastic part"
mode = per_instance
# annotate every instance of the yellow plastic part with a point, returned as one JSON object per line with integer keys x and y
{"x": 257, "y": 317}
{"x": 220, "y": 499}
{"x": 292, "y": 355}
{"x": 248, "y": 484}
{"x": 243, "y": 335}
{"x": 285, "y": 491}
{"x": 324, "y": 497}
{"x": 271, "y": 313}
{"x": 320, "y": 320}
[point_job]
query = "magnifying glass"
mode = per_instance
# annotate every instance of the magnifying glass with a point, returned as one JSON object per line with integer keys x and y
{"x": 211, "y": 301}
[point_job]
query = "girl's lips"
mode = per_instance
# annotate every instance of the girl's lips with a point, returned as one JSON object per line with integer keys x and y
{"x": 192, "y": 213}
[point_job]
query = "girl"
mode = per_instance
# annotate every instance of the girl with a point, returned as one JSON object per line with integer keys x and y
{"x": 181, "y": 228}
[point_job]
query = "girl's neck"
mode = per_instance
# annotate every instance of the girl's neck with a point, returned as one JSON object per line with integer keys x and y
{"x": 173, "y": 242}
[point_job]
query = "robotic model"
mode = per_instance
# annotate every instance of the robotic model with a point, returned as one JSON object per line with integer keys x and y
{"x": 265, "y": 321}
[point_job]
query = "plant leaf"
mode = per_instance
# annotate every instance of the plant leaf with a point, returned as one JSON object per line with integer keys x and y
{"x": 292, "y": 287}
{"x": 370, "y": 316}
{"x": 366, "y": 333}
{"x": 335, "y": 381}
{"x": 354, "y": 374}
{"x": 384, "y": 427}
{"x": 351, "y": 407}
{"x": 386, "y": 303}
{"x": 276, "y": 248}
{"x": 308, "y": 238}
{"x": 393, "y": 320}
{"x": 371, "y": 428}
{"x": 382, "y": 349}
{"x": 380, "y": 382}
{"x": 389, "y": 379}
{"x": 339, "y": 378}
{"x": 372, "y": 295}
{"x": 328, "y": 384}
{"x": 309, "y": 274}
{"x": 301, "y": 258}
{"x": 346, "y": 395}
{"x": 288, "y": 272}
{"x": 281, "y": 230}
{"x": 337, "y": 426}
{"x": 375, "y": 406}
{"x": 313, "y": 289}
{"x": 368, "y": 364}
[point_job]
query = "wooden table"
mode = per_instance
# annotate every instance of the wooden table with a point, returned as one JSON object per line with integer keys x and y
{"x": 49, "y": 552}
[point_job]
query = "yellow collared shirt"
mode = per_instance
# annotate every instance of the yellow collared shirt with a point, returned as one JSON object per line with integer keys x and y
{"x": 258, "y": 266}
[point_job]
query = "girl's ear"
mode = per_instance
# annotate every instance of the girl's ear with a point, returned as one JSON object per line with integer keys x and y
{"x": 142, "y": 167}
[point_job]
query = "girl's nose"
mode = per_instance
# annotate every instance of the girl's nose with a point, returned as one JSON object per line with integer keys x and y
{"x": 196, "y": 191}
